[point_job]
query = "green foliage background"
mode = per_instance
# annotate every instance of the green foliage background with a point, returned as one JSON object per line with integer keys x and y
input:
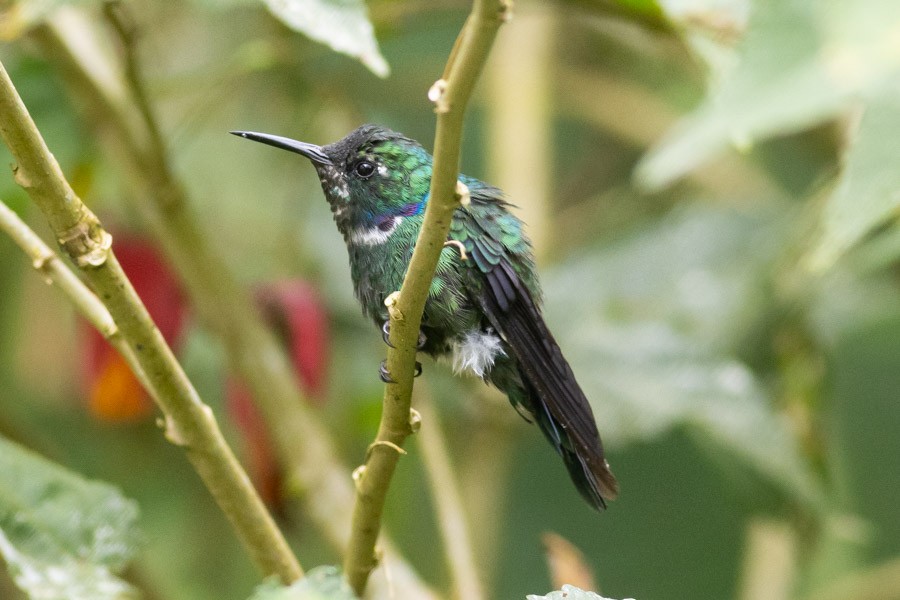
{"x": 716, "y": 214}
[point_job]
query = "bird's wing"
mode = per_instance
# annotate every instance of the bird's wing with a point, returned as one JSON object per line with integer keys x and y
{"x": 501, "y": 257}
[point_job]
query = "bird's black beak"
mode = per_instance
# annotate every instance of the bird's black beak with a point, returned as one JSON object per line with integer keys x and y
{"x": 310, "y": 151}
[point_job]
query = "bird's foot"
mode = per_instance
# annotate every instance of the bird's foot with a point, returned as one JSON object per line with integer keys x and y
{"x": 385, "y": 375}
{"x": 386, "y": 336}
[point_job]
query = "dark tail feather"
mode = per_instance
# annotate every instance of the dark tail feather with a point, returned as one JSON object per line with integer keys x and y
{"x": 585, "y": 481}
{"x": 590, "y": 474}
{"x": 548, "y": 388}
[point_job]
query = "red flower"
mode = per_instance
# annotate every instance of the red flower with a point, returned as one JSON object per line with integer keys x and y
{"x": 294, "y": 309}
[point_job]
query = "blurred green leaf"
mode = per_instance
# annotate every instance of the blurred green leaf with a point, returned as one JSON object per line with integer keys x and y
{"x": 868, "y": 194}
{"x": 710, "y": 28}
{"x": 653, "y": 332}
{"x": 709, "y": 12}
{"x": 341, "y": 24}
{"x": 856, "y": 292}
{"x": 321, "y": 583}
{"x": 568, "y": 592}
{"x": 62, "y": 536}
{"x": 798, "y": 64}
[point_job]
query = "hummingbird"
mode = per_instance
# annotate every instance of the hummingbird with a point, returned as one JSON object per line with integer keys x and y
{"x": 483, "y": 310}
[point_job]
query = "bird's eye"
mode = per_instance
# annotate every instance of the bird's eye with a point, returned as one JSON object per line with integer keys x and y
{"x": 364, "y": 168}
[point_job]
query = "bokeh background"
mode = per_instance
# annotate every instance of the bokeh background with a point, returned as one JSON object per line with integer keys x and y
{"x": 710, "y": 187}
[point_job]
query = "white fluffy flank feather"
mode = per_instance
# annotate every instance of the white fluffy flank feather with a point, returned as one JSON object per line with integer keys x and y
{"x": 476, "y": 352}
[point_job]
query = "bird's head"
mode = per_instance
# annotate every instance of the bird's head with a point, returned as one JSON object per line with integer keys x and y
{"x": 373, "y": 178}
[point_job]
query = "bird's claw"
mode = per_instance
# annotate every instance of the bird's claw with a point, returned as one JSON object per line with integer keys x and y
{"x": 385, "y": 375}
{"x": 386, "y": 336}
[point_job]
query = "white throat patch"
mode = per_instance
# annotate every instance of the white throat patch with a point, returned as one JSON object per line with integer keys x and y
{"x": 374, "y": 236}
{"x": 476, "y": 352}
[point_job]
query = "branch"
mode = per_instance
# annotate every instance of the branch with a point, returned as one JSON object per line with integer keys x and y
{"x": 485, "y": 467}
{"x": 122, "y": 22}
{"x": 189, "y": 422}
{"x": 222, "y": 304}
{"x": 55, "y": 272}
{"x": 518, "y": 89}
{"x": 450, "y": 95}
{"x": 447, "y": 499}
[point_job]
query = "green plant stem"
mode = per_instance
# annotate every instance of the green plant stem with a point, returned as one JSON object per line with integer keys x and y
{"x": 485, "y": 465}
{"x": 189, "y": 422}
{"x": 445, "y": 494}
{"x": 122, "y": 22}
{"x": 518, "y": 89}
{"x": 467, "y": 60}
{"x": 56, "y": 273}
{"x": 313, "y": 471}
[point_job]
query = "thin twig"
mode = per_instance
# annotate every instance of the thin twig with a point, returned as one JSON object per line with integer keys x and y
{"x": 485, "y": 466}
{"x": 56, "y": 273}
{"x": 120, "y": 18}
{"x": 303, "y": 444}
{"x": 518, "y": 89}
{"x": 189, "y": 422}
{"x": 462, "y": 71}
{"x": 445, "y": 494}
